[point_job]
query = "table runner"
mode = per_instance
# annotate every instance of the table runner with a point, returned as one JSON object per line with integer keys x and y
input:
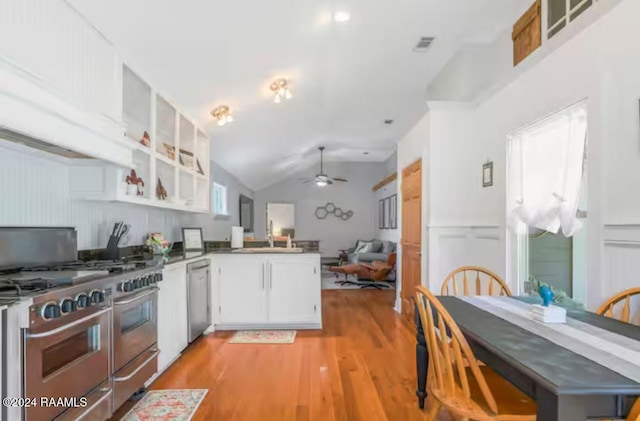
{"x": 616, "y": 352}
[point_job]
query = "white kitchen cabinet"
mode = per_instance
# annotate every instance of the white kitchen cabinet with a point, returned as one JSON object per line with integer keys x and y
{"x": 266, "y": 291}
{"x": 294, "y": 290}
{"x": 241, "y": 289}
{"x": 172, "y": 314}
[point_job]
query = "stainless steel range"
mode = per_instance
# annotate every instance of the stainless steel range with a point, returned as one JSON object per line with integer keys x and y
{"x": 92, "y": 328}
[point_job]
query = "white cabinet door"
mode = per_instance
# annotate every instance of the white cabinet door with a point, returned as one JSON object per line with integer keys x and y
{"x": 241, "y": 289}
{"x": 172, "y": 314}
{"x": 294, "y": 290}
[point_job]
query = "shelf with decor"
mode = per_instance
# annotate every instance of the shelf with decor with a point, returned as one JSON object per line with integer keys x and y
{"x": 170, "y": 172}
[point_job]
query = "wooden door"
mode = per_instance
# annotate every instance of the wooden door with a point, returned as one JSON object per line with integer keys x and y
{"x": 411, "y": 241}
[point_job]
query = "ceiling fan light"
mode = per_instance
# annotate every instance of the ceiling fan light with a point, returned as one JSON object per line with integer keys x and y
{"x": 288, "y": 94}
{"x": 281, "y": 91}
{"x": 229, "y": 118}
{"x": 321, "y": 183}
{"x": 221, "y": 122}
{"x": 277, "y": 99}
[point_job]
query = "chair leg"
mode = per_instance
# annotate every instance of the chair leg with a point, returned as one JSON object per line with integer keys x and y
{"x": 433, "y": 408}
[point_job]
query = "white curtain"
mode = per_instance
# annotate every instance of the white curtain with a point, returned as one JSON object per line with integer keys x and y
{"x": 545, "y": 172}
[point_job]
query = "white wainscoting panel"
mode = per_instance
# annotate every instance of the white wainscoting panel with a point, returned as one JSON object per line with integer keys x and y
{"x": 621, "y": 270}
{"x": 53, "y": 41}
{"x": 453, "y": 246}
{"x": 35, "y": 192}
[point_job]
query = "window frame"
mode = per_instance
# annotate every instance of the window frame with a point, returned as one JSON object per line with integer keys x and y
{"x": 222, "y": 189}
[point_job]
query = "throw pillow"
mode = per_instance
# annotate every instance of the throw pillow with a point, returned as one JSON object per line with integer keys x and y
{"x": 364, "y": 247}
{"x": 377, "y": 246}
{"x": 388, "y": 247}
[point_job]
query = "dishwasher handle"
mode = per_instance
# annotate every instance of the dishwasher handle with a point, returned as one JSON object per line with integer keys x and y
{"x": 200, "y": 264}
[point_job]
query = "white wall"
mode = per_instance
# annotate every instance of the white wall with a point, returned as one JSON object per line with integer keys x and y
{"x": 35, "y": 192}
{"x": 389, "y": 167}
{"x": 333, "y": 233}
{"x": 599, "y": 64}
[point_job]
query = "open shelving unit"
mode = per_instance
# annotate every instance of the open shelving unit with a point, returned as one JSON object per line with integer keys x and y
{"x": 168, "y": 148}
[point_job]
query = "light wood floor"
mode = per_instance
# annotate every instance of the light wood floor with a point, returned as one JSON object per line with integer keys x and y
{"x": 361, "y": 366}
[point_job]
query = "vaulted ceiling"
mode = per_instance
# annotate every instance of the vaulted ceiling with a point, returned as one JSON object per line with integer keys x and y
{"x": 346, "y": 78}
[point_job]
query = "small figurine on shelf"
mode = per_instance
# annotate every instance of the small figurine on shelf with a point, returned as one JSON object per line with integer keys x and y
{"x": 133, "y": 180}
{"x": 146, "y": 139}
{"x": 161, "y": 192}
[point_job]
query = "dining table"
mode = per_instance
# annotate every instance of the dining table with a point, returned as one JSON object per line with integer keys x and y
{"x": 586, "y": 368}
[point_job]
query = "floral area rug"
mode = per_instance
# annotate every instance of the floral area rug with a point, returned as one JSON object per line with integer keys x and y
{"x": 167, "y": 405}
{"x": 263, "y": 337}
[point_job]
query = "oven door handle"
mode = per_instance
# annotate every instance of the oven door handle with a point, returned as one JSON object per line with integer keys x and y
{"x": 137, "y": 297}
{"x": 67, "y": 326}
{"x": 124, "y": 379}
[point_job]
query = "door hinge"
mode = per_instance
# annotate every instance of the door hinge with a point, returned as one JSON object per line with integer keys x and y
{"x": 314, "y": 270}
{"x": 219, "y": 309}
{"x": 315, "y": 308}
{"x": 219, "y": 270}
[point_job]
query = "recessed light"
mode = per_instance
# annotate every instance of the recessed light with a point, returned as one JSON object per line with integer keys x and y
{"x": 341, "y": 16}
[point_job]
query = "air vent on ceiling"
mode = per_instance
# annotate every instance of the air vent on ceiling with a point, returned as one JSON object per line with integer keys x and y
{"x": 424, "y": 44}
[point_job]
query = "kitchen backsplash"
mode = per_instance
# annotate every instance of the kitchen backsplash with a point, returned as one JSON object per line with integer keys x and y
{"x": 35, "y": 192}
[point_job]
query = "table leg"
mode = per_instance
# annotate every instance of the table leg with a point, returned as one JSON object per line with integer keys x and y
{"x": 422, "y": 361}
{"x": 552, "y": 407}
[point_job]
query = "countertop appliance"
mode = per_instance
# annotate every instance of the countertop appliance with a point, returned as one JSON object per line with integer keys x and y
{"x": 198, "y": 298}
{"x": 79, "y": 311}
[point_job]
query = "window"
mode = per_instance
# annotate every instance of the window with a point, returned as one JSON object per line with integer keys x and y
{"x": 219, "y": 198}
{"x": 557, "y": 16}
{"x": 545, "y": 172}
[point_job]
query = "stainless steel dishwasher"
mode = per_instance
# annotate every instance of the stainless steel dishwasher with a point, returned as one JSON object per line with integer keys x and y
{"x": 199, "y": 298}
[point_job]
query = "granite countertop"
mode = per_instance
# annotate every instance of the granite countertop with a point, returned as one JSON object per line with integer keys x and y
{"x": 180, "y": 257}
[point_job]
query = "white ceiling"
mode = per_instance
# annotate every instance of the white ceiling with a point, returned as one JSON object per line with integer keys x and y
{"x": 346, "y": 78}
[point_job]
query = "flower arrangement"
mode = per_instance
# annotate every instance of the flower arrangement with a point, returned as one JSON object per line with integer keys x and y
{"x": 158, "y": 244}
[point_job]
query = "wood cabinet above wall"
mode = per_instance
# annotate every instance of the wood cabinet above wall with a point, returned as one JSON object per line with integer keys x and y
{"x": 527, "y": 33}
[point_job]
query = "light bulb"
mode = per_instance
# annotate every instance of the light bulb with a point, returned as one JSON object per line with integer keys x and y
{"x": 341, "y": 16}
{"x": 288, "y": 94}
{"x": 221, "y": 122}
{"x": 321, "y": 183}
{"x": 277, "y": 99}
{"x": 229, "y": 118}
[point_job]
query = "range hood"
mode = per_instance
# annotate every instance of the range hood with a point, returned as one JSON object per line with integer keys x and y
{"x": 32, "y": 114}
{"x": 21, "y": 139}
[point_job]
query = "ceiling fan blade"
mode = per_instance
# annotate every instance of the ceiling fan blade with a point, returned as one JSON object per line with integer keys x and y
{"x": 307, "y": 181}
{"x": 344, "y": 180}
{"x": 329, "y": 182}
{"x": 305, "y": 178}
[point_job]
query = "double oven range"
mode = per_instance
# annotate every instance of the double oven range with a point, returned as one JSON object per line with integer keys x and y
{"x": 92, "y": 333}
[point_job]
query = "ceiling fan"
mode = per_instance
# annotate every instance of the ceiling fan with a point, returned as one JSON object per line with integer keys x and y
{"x": 321, "y": 179}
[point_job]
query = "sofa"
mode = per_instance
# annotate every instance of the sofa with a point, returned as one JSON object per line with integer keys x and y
{"x": 366, "y": 251}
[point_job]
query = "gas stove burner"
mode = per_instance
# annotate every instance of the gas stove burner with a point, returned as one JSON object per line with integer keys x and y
{"x": 113, "y": 266}
{"x": 20, "y": 288}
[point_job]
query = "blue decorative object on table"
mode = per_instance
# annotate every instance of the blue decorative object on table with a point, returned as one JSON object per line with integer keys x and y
{"x": 546, "y": 294}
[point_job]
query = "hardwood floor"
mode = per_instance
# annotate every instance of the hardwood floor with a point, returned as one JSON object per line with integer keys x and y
{"x": 361, "y": 366}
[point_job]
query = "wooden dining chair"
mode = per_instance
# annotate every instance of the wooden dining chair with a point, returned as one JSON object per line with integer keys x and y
{"x": 473, "y": 278}
{"x": 456, "y": 381}
{"x": 608, "y": 308}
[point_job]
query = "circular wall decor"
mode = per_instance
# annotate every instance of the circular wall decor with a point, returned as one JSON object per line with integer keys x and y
{"x": 321, "y": 213}
{"x": 331, "y": 209}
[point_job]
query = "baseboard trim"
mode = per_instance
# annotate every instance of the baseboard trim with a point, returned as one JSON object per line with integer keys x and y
{"x": 268, "y": 326}
{"x": 398, "y": 306}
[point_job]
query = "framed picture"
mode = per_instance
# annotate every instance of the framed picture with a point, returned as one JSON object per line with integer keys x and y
{"x": 487, "y": 174}
{"x": 381, "y": 214}
{"x": 192, "y": 239}
{"x": 170, "y": 151}
{"x": 387, "y": 213}
{"x": 393, "y": 212}
{"x": 186, "y": 158}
